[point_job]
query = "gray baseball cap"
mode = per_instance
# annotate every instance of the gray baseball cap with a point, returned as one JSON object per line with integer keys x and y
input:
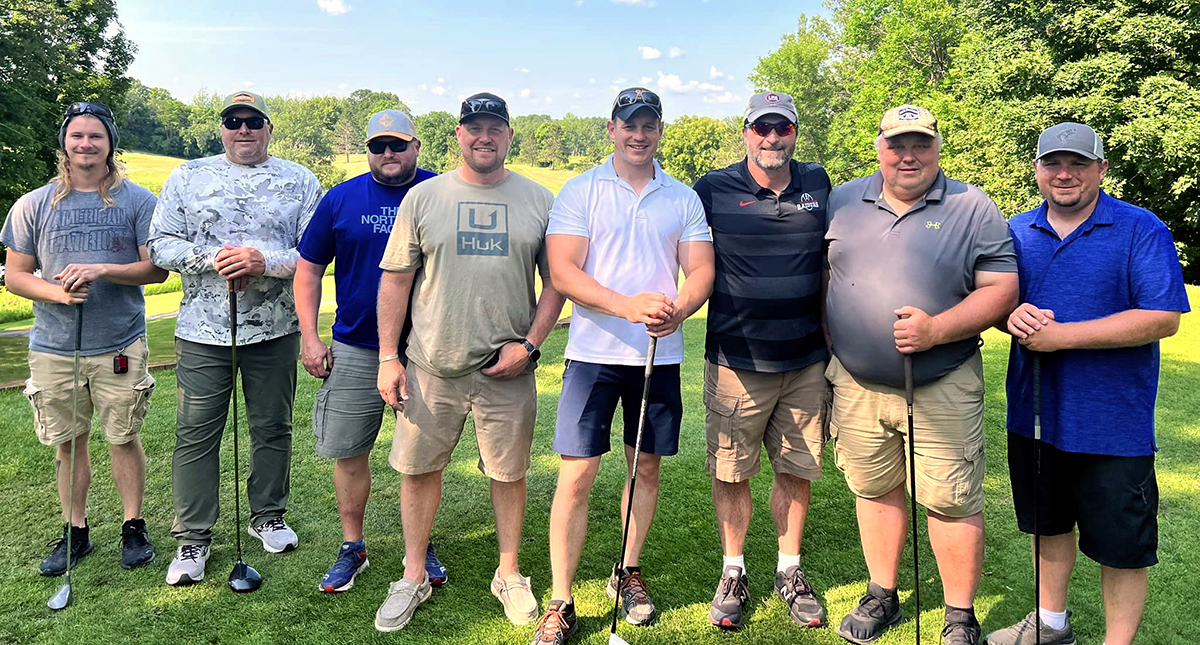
{"x": 770, "y": 103}
{"x": 391, "y": 123}
{"x": 1070, "y": 137}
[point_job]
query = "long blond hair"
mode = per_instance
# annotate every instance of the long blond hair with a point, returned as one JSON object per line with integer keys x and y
{"x": 110, "y": 182}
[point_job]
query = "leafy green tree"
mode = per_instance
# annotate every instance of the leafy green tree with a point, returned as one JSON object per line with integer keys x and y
{"x": 436, "y": 132}
{"x": 551, "y": 150}
{"x": 691, "y": 146}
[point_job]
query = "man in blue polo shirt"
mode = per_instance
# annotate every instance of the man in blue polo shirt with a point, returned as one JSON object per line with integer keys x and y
{"x": 1100, "y": 285}
{"x": 352, "y": 224}
{"x": 764, "y": 382}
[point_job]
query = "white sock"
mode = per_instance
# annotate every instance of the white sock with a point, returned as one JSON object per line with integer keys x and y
{"x": 786, "y": 561}
{"x": 1055, "y": 620}
{"x": 738, "y": 561}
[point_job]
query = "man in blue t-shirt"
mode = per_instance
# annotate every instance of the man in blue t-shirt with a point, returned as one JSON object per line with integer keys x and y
{"x": 352, "y": 223}
{"x": 1100, "y": 285}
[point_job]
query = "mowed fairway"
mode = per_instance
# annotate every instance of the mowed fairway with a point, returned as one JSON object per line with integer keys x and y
{"x": 682, "y": 560}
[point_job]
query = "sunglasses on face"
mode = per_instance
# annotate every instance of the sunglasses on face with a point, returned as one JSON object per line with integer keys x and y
{"x": 252, "y": 122}
{"x": 782, "y": 128}
{"x": 83, "y": 107}
{"x": 629, "y": 97}
{"x": 379, "y": 145}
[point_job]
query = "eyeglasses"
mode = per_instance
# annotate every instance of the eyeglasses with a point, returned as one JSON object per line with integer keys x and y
{"x": 252, "y": 122}
{"x": 763, "y": 129}
{"x": 484, "y": 105}
{"x": 377, "y": 146}
{"x": 83, "y": 107}
{"x": 629, "y": 97}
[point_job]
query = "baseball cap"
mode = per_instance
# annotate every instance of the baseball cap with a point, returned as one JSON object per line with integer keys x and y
{"x": 97, "y": 110}
{"x": 483, "y": 103}
{"x": 1070, "y": 137}
{"x": 391, "y": 123}
{"x": 908, "y": 118}
{"x": 632, "y": 99}
{"x": 244, "y": 100}
{"x": 770, "y": 103}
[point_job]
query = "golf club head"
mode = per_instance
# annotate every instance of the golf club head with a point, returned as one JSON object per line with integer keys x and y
{"x": 60, "y": 599}
{"x": 613, "y": 639}
{"x": 243, "y": 578}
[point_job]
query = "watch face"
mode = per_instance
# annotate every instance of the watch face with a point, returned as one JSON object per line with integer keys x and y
{"x": 535, "y": 355}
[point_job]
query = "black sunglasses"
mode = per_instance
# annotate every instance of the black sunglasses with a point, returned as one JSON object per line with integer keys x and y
{"x": 484, "y": 105}
{"x": 629, "y": 97}
{"x": 377, "y": 146}
{"x": 782, "y": 128}
{"x": 83, "y": 107}
{"x": 252, "y": 122}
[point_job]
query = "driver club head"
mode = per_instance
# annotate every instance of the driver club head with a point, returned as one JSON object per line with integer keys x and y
{"x": 243, "y": 578}
{"x": 61, "y": 599}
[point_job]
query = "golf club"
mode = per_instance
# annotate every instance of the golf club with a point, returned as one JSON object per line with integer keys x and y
{"x": 62, "y": 597}
{"x": 243, "y": 578}
{"x": 1037, "y": 539}
{"x": 912, "y": 478}
{"x": 613, "y": 639}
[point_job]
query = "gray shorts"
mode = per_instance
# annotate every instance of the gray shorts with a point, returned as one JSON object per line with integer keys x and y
{"x": 348, "y": 410}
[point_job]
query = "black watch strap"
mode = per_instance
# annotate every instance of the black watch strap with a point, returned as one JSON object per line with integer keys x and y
{"x": 534, "y": 352}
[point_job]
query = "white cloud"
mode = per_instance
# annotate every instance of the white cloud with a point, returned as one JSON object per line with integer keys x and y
{"x": 423, "y": 86}
{"x": 248, "y": 84}
{"x": 592, "y": 80}
{"x": 523, "y": 70}
{"x": 578, "y": 95}
{"x": 441, "y": 80}
{"x": 438, "y": 90}
{"x": 635, "y": 3}
{"x": 646, "y": 80}
{"x": 342, "y": 86}
{"x": 727, "y": 97}
{"x": 649, "y": 53}
{"x": 672, "y": 83}
{"x": 713, "y": 72}
{"x": 333, "y": 7}
{"x": 525, "y": 93}
{"x": 675, "y": 52}
{"x": 618, "y": 81}
{"x": 614, "y": 88}
{"x": 578, "y": 3}
{"x": 548, "y": 99}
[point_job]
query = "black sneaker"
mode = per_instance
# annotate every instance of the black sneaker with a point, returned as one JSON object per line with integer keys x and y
{"x": 961, "y": 628}
{"x": 729, "y": 604}
{"x": 877, "y": 610}
{"x": 793, "y": 589}
{"x": 557, "y": 625}
{"x": 55, "y": 564}
{"x": 136, "y": 550}
{"x": 636, "y": 606}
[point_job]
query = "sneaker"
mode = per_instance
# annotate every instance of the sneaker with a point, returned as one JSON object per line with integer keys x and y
{"x": 1022, "y": 633}
{"x": 351, "y": 560}
{"x": 404, "y": 596}
{"x": 636, "y": 605}
{"x": 961, "y": 628}
{"x": 557, "y": 625}
{"x": 188, "y": 566}
{"x": 513, "y": 592}
{"x": 434, "y": 568}
{"x": 276, "y": 535}
{"x": 729, "y": 604}
{"x": 55, "y": 564}
{"x": 136, "y": 550}
{"x": 792, "y": 587}
{"x": 877, "y": 610}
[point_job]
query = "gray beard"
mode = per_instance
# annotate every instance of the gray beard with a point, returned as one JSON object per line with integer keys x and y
{"x": 761, "y": 161}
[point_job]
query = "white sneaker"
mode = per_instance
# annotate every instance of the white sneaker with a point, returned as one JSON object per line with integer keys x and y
{"x": 188, "y": 566}
{"x": 276, "y": 535}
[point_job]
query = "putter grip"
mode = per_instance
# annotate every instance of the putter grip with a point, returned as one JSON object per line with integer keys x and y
{"x": 78, "y": 327}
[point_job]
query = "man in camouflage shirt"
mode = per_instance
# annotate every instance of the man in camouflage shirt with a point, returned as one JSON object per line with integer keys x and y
{"x": 227, "y": 223}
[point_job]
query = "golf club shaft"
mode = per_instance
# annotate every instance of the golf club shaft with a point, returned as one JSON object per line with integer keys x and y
{"x": 1037, "y": 451}
{"x": 74, "y": 433}
{"x": 637, "y": 449}
{"x": 912, "y": 479}
{"x": 237, "y": 494}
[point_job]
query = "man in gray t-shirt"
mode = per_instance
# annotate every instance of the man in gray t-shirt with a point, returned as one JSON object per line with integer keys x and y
{"x": 918, "y": 264}
{"x": 78, "y": 246}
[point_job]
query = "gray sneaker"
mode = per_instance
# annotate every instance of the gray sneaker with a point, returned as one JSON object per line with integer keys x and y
{"x": 1022, "y": 633}
{"x": 402, "y": 600}
{"x": 188, "y": 566}
{"x": 276, "y": 535}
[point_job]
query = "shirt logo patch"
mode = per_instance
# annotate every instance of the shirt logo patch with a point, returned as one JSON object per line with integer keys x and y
{"x": 772, "y": 97}
{"x": 808, "y": 202}
{"x": 747, "y": 203}
{"x": 386, "y": 120}
{"x": 482, "y": 229}
{"x": 937, "y": 226}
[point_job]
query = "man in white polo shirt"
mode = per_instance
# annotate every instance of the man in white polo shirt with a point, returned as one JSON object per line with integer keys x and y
{"x": 618, "y": 236}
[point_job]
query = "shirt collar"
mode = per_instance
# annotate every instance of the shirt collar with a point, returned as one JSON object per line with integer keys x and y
{"x": 752, "y": 183}
{"x": 1102, "y": 215}
{"x": 608, "y": 172}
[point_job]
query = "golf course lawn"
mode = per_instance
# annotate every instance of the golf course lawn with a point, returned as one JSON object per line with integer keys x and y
{"x": 682, "y": 560}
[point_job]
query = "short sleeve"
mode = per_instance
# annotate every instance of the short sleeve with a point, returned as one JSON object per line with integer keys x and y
{"x": 403, "y": 251}
{"x": 142, "y": 217}
{"x": 704, "y": 191}
{"x": 695, "y": 224}
{"x": 566, "y": 214}
{"x": 317, "y": 243}
{"x": 1155, "y": 272}
{"x": 19, "y": 230}
{"x": 993, "y": 241}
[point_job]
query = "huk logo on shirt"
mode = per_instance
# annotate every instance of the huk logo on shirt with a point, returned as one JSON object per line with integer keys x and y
{"x": 808, "y": 202}
{"x": 482, "y": 229}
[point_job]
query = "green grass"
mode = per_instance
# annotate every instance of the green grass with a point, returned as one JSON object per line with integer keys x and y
{"x": 149, "y": 171}
{"x": 682, "y": 559}
{"x": 550, "y": 178}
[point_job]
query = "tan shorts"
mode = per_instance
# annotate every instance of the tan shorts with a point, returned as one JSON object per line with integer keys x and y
{"x": 787, "y": 412}
{"x": 120, "y": 400}
{"x": 436, "y": 410}
{"x": 870, "y": 433}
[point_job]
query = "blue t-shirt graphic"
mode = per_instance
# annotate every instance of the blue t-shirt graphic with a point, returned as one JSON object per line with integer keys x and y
{"x": 352, "y": 224}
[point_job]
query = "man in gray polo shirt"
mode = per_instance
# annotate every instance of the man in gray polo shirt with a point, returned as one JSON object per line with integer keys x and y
{"x": 919, "y": 264}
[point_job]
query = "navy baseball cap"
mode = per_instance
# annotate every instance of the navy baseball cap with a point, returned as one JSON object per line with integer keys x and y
{"x": 483, "y": 103}
{"x": 633, "y": 99}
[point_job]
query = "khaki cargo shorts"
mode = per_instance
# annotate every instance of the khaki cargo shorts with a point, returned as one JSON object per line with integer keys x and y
{"x": 432, "y": 422}
{"x": 786, "y": 412}
{"x": 869, "y": 427}
{"x": 120, "y": 400}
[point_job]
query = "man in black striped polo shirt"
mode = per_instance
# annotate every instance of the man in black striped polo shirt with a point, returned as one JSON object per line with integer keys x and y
{"x": 764, "y": 381}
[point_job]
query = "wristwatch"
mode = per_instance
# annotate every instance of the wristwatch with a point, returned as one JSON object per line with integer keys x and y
{"x": 534, "y": 352}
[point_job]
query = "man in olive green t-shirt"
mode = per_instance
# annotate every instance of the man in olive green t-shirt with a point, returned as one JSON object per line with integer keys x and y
{"x": 465, "y": 246}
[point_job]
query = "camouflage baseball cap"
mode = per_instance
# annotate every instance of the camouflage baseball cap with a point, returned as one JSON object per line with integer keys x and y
{"x": 908, "y": 118}
{"x": 244, "y": 99}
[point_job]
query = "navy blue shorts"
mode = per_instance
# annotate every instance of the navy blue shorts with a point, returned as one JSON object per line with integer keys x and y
{"x": 589, "y": 399}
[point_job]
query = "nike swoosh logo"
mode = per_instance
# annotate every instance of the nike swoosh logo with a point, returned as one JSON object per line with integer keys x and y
{"x": 747, "y": 203}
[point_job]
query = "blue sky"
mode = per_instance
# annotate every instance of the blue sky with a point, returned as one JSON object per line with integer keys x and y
{"x": 550, "y": 56}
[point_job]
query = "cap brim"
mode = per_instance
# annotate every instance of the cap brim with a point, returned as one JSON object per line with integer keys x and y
{"x": 624, "y": 112}
{"x": 389, "y": 133}
{"x": 909, "y": 128}
{"x": 1081, "y": 153}
{"x": 231, "y": 108}
{"x": 761, "y": 112}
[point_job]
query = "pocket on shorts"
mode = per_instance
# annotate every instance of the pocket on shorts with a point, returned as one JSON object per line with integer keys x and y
{"x": 141, "y": 403}
{"x": 318, "y": 415}
{"x": 36, "y": 396}
{"x": 722, "y": 421}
